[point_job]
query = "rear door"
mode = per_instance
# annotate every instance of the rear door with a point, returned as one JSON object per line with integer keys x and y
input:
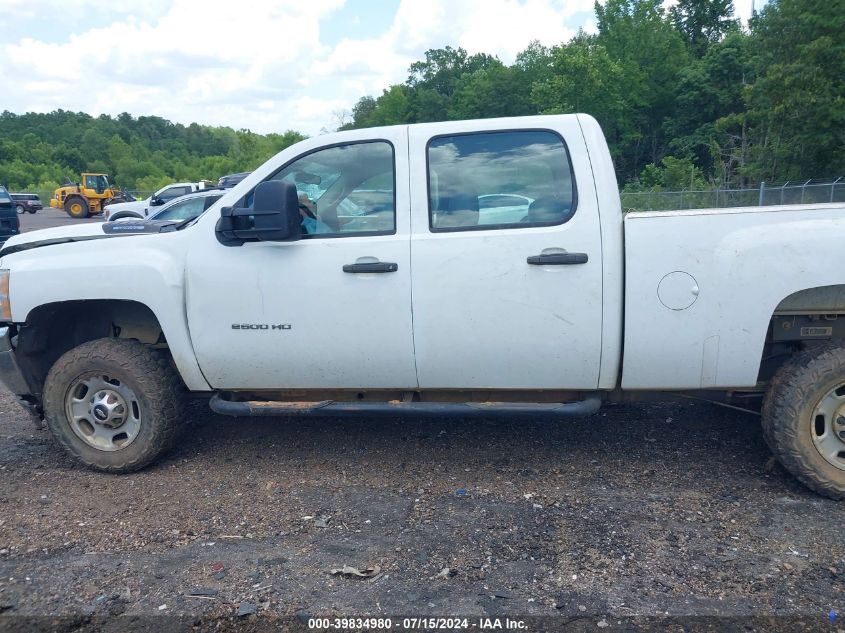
{"x": 506, "y": 256}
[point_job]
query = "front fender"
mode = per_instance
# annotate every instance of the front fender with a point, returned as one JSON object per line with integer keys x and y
{"x": 148, "y": 269}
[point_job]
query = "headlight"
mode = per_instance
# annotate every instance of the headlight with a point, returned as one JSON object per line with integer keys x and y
{"x": 5, "y": 306}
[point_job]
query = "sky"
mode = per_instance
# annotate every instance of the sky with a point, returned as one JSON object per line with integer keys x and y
{"x": 264, "y": 65}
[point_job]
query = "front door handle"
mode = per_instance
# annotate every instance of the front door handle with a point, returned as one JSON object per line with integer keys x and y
{"x": 558, "y": 259}
{"x": 371, "y": 267}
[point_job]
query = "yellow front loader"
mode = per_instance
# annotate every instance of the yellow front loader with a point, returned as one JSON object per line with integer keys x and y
{"x": 86, "y": 197}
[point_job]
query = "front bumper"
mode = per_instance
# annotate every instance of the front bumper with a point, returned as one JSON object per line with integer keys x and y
{"x": 10, "y": 372}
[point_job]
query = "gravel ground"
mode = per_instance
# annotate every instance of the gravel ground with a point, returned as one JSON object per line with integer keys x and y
{"x": 641, "y": 510}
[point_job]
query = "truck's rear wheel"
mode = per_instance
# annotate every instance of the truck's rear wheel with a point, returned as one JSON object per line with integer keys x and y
{"x": 116, "y": 405}
{"x": 77, "y": 207}
{"x": 804, "y": 418}
{"x": 19, "y": 208}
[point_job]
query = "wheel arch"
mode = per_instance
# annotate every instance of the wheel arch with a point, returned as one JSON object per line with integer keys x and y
{"x": 803, "y": 319}
{"x": 820, "y": 299}
{"x": 121, "y": 215}
{"x": 51, "y": 329}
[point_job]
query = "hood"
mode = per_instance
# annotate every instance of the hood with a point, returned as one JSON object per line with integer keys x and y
{"x": 84, "y": 232}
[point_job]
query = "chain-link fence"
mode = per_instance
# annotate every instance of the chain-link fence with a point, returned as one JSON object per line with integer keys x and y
{"x": 793, "y": 192}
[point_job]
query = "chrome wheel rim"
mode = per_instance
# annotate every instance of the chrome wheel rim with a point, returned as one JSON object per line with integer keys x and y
{"x": 103, "y": 412}
{"x": 827, "y": 427}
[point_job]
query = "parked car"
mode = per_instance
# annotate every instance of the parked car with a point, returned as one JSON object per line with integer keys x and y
{"x": 550, "y": 312}
{"x": 161, "y": 197}
{"x": 9, "y": 223}
{"x": 183, "y": 208}
{"x": 26, "y": 202}
{"x": 230, "y": 180}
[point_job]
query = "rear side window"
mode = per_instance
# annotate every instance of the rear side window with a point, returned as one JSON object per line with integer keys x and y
{"x": 499, "y": 180}
{"x": 173, "y": 192}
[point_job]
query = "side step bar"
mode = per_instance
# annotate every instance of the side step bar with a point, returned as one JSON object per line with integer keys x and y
{"x": 274, "y": 408}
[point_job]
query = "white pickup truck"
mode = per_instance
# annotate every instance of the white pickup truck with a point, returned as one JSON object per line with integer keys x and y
{"x": 143, "y": 208}
{"x": 460, "y": 267}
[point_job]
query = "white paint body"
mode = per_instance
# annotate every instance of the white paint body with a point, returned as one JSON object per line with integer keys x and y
{"x": 464, "y": 310}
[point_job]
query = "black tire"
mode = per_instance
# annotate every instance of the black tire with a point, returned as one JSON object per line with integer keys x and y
{"x": 77, "y": 207}
{"x": 788, "y": 416}
{"x": 19, "y": 208}
{"x": 147, "y": 372}
{"x": 33, "y": 210}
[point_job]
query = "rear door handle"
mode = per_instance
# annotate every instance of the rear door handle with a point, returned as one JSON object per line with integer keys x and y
{"x": 558, "y": 259}
{"x": 371, "y": 267}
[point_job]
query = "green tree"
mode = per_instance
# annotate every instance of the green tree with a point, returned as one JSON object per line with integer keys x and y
{"x": 709, "y": 121}
{"x": 639, "y": 37}
{"x": 703, "y": 22}
{"x": 796, "y": 107}
{"x": 584, "y": 78}
{"x": 497, "y": 90}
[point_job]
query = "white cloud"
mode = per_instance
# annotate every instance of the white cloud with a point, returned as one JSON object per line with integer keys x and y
{"x": 211, "y": 64}
{"x": 498, "y": 27}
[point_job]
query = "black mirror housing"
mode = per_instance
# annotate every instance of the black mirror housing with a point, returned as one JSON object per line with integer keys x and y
{"x": 274, "y": 217}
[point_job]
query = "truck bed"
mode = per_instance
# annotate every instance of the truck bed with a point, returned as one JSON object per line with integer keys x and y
{"x": 701, "y": 287}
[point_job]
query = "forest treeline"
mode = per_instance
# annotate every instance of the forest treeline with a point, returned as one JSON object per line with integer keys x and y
{"x": 38, "y": 151}
{"x": 687, "y": 99}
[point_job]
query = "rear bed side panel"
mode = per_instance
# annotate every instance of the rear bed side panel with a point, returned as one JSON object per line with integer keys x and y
{"x": 734, "y": 266}
{"x": 610, "y": 219}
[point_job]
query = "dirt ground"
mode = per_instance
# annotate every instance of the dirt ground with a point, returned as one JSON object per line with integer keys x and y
{"x": 642, "y": 510}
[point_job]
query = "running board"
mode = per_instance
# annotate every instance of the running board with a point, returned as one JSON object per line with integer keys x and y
{"x": 274, "y": 408}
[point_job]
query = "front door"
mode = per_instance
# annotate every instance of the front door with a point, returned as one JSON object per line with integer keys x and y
{"x": 307, "y": 314}
{"x": 506, "y": 251}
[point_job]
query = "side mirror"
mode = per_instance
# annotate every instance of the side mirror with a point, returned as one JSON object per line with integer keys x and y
{"x": 155, "y": 201}
{"x": 274, "y": 217}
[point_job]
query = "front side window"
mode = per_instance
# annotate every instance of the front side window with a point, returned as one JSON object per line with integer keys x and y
{"x": 345, "y": 190}
{"x": 496, "y": 180}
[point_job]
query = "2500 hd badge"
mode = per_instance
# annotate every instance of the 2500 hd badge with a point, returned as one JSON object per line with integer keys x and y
{"x": 261, "y": 326}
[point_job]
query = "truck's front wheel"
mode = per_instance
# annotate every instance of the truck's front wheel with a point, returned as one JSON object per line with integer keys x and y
{"x": 804, "y": 418}
{"x": 116, "y": 405}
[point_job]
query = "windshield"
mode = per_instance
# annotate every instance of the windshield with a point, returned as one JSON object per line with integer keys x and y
{"x": 182, "y": 210}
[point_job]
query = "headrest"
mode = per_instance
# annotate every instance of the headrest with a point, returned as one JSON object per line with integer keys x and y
{"x": 458, "y": 210}
{"x": 548, "y": 210}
